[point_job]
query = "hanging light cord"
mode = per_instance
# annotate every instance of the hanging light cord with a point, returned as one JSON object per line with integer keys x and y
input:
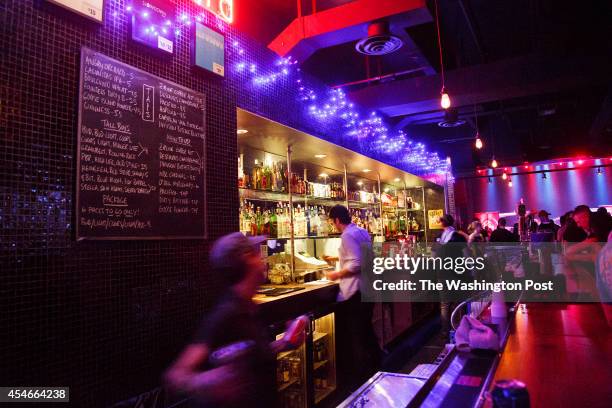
{"x": 439, "y": 43}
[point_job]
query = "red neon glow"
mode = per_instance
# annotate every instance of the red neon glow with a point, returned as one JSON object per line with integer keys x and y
{"x": 222, "y": 8}
{"x": 580, "y": 162}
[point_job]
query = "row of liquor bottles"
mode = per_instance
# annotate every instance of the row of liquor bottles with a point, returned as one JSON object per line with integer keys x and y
{"x": 275, "y": 222}
{"x": 272, "y": 177}
{"x": 310, "y": 221}
{"x": 400, "y": 225}
{"x": 275, "y": 177}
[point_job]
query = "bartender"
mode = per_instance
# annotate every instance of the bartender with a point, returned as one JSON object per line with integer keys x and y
{"x": 355, "y": 316}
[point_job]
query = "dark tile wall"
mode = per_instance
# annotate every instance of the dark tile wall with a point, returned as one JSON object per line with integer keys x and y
{"x": 106, "y": 318}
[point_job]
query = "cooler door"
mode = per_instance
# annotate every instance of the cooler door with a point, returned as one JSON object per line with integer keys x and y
{"x": 324, "y": 357}
{"x": 291, "y": 377}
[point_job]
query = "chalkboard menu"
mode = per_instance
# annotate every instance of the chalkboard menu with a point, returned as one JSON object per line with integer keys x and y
{"x": 140, "y": 169}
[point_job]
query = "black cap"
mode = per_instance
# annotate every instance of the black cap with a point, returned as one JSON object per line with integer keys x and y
{"x": 226, "y": 254}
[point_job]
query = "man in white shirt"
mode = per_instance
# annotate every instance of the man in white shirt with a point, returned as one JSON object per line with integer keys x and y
{"x": 447, "y": 222}
{"x": 354, "y": 316}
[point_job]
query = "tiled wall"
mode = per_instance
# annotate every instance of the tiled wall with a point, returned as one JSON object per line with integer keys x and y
{"x": 106, "y": 318}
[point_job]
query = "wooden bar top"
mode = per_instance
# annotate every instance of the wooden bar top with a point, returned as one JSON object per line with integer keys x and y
{"x": 305, "y": 288}
{"x": 563, "y": 353}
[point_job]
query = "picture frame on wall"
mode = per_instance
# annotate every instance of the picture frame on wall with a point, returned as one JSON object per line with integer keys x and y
{"x": 90, "y": 9}
{"x": 208, "y": 50}
{"x": 152, "y": 25}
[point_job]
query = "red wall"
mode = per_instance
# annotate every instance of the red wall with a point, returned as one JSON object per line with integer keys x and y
{"x": 558, "y": 193}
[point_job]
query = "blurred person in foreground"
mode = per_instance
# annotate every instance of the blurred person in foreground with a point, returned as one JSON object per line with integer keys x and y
{"x": 206, "y": 370}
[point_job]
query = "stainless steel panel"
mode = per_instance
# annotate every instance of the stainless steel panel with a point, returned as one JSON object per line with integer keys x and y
{"x": 384, "y": 390}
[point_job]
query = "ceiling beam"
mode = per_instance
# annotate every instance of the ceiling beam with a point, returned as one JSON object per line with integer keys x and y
{"x": 344, "y": 23}
{"x": 502, "y": 80}
{"x": 473, "y": 30}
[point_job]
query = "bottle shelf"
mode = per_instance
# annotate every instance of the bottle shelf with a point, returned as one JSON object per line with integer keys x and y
{"x": 359, "y": 204}
{"x": 276, "y": 196}
{"x": 319, "y": 364}
{"x": 287, "y": 384}
{"x": 322, "y": 393}
{"x": 304, "y": 237}
{"x": 323, "y": 200}
{"x": 263, "y": 195}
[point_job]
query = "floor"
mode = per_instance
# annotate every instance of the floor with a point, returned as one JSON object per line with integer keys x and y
{"x": 563, "y": 353}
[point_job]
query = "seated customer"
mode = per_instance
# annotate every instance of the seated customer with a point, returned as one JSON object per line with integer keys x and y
{"x": 249, "y": 379}
{"x": 501, "y": 234}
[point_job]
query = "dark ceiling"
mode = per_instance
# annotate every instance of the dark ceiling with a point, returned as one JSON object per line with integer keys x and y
{"x": 534, "y": 74}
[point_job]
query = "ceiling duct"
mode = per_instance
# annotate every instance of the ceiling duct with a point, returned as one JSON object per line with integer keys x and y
{"x": 379, "y": 41}
{"x": 451, "y": 119}
{"x": 346, "y": 24}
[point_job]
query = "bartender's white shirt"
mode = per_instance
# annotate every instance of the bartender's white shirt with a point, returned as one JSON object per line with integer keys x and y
{"x": 349, "y": 254}
{"x": 447, "y": 234}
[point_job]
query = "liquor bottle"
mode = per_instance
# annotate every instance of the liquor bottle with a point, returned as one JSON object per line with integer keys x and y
{"x": 301, "y": 222}
{"x": 264, "y": 178}
{"x": 281, "y": 221}
{"x": 240, "y": 172}
{"x": 282, "y": 185}
{"x": 323, "y": 223}
{"x": 269, "y": 177}
{"x": 287, "y": 220}
{"x": 266, "y": 223}
{"x": 274, "y": 223}
{"x": 314, "y": 222}
{"x": 307, "y": 215}
{"x": 415, "y": 224}
{"x": 273, "y": 177}
{"x": 254, "y": 175}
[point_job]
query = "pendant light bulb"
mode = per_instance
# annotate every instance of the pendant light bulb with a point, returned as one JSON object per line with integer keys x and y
{"x": 510, "y": 183}
{"x": 478, "y": 143}
{"x": 494, "y": 163}
{"x": 504, "y": 176}
{"x": 445, "y": 101}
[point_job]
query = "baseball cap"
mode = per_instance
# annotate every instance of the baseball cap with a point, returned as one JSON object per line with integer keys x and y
{"x": 543, "y": 213}
{"x": 226, "y": 252}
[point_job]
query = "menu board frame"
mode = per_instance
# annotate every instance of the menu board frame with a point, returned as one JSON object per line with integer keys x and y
{"x": 81, "y": 12}
{"x": 77, "y": 200}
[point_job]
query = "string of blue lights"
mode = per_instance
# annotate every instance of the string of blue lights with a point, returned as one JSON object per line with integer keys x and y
{"x": 331, "y": 107}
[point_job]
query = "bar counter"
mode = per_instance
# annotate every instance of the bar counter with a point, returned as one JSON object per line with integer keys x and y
{"x": 310, "y": 298}
{"x": 570, "y": 343}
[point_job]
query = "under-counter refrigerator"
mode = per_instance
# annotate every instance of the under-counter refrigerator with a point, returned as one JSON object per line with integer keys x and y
{"x": 306, "y": 376}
